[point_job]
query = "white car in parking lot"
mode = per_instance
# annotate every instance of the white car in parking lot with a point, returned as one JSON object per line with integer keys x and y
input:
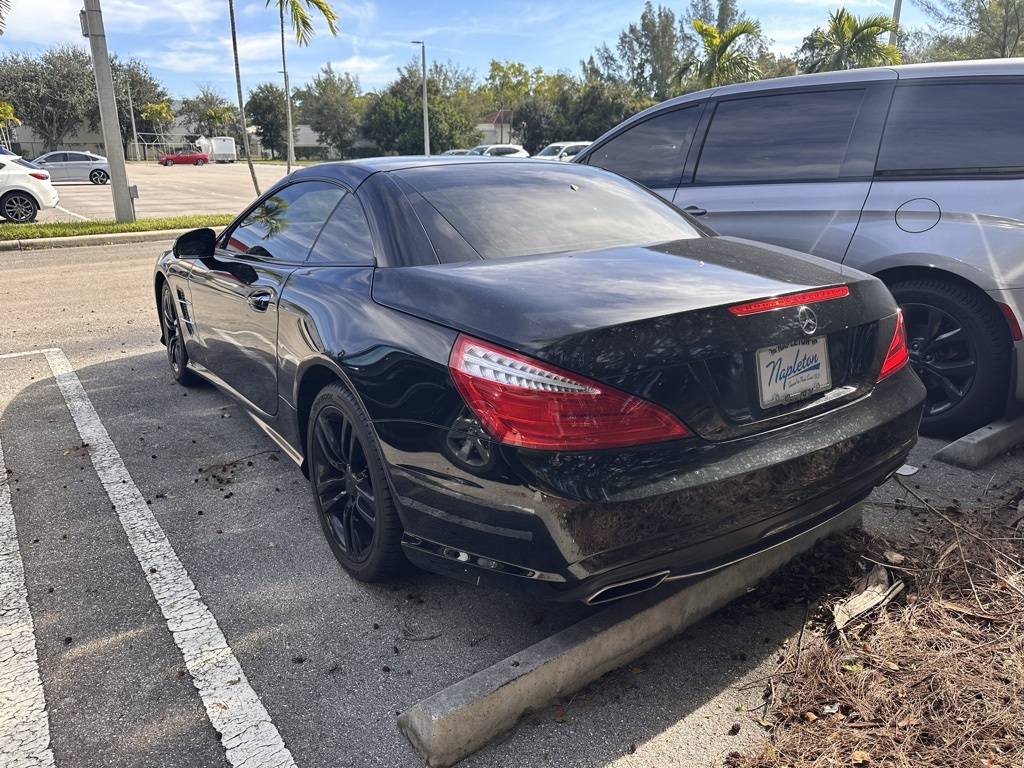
{"x": 24, "y": 189}
{"x": 499, "y": 150}
{"x": 562, "y": 150}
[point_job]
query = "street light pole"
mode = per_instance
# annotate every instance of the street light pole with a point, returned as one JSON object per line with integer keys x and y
{"x": 895, "y": 18}
{"x": 426, "y": 118}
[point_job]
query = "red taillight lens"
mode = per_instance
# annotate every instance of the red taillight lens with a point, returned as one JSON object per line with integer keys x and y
{"x": 898, "y": 355}
{"x": 792, "y": 300}
{"x": 39, "y": 175}
{"x": 532, "y": 405}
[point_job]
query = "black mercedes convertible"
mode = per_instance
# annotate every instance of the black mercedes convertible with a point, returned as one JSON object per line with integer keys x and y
{"x": 539, "y": 376}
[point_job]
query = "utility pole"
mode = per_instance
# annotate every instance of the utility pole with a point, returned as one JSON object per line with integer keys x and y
{"x": 287, "y": 96}
{"x": 896, "y": 18}
{"x": 91, "y": 18}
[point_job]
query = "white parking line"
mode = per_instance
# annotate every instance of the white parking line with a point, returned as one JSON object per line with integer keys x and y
{"x": 72, "y": 213}
{"x": 24, "y": 729}
{"x": 249, "y": 737}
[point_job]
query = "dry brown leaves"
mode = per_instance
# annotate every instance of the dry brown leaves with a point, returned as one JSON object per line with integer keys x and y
{"x": 935, "y": 677}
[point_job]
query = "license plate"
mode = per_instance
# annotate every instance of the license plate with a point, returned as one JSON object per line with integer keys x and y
{"x": 792, "y": 371}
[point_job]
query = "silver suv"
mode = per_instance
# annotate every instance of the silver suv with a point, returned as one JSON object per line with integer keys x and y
{"x": 913, "y": 173}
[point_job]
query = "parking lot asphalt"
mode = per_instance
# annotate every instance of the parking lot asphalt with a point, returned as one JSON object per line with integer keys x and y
{"x": 332, "y": 663}
{"x": 163, "y": 191}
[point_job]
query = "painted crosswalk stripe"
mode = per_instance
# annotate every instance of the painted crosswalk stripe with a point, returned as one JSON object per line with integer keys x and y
{"x": 249, "y": 737}
{"x": 24, "y": 728}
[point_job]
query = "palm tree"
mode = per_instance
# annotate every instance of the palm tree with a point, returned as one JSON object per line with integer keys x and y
{"x": 241, "y": 104}
{"x": 302, "y": 24}
{"x": 849, "y": 42}
{"x": 5, "y": 9}
{"x": 724, "y": 62}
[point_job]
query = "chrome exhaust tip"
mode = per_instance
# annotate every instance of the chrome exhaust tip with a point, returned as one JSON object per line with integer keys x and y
{"x": 627, "y": 588}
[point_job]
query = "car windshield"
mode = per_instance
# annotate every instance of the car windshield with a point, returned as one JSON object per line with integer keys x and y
{"x": 516, "y": 209}
{"x": 554, "y": 149}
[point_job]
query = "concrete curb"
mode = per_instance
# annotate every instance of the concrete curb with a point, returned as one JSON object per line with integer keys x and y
{"x": 463, "y": 718}
{"x": 981, "y": 446}
{"x": 79, "y": 240}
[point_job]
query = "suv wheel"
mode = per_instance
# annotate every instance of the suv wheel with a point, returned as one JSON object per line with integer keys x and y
{"x": 960, "y": 349}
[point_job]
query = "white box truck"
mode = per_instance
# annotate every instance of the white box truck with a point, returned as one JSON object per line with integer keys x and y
{"x": 220, "y": 149}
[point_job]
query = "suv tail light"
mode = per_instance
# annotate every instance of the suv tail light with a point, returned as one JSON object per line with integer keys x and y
{"x": 530, "y": 404}
{"x": 42, "y": 176}
{"x": 898, "y": 355}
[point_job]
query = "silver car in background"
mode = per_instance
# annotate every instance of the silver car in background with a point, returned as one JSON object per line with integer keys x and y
{"x": 914, "y": 174}
{"x": 75, "y": 166}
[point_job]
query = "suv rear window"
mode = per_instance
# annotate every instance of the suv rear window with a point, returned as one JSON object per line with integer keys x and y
{"x": 783, "y": 137}
{"x": 954, "y": 128}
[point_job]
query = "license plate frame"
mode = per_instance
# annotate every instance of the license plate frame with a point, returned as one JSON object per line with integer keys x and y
{"x": 792, "y": 371}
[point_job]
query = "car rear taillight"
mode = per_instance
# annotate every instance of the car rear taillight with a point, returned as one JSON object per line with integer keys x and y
{"x": 39, "y": 175}
{"x": 529, "y": 404}
{"x": 898, "y": 355}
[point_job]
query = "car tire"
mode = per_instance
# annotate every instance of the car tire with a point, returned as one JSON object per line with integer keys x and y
{"x": 168, "y": 162}
{"x": 98, "y": 176}
{"x": 350, "y": 488}
{"x": 960, "y": 348}
{"x": 177, "y": 356}
{"x": 200, "y": 161}
{"x": 19, "y": 207}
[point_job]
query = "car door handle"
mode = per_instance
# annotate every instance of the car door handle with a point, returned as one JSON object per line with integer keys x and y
{"x": 693, "y": 210}
{"x": 259, "y": 300}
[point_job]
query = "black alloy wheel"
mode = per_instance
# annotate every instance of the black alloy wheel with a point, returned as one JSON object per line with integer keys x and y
{"x": 468, "y": 446}
{"x": 960, "y": 348}
{"x": 350, "y": 488}
{"x": 177, "y": 356}
{"x": 19, "y": 207}
{"x": 98, "y": 176}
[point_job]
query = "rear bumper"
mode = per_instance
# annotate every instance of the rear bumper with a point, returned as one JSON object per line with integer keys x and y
{"x": 566, "y": 526}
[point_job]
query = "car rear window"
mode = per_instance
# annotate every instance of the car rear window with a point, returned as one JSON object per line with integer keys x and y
{"x": 511, "y": 209}
{"x": 946, "y": 128}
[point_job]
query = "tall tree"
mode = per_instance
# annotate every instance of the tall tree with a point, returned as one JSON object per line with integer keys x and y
{"x": 723, "y": 60}
{"x": 848, "y": 43}
{"x": 52, "y": 93}
{"x": 302, "y": 25}
{"x": 241, "y": 105}
{"x": 134, "y": 76}
{"x": 978, "y": 28}
{"x": 266, "y": 109}
{"x": 650, "y": 52}
{"x": 5, "y": 10}
{"x": 509, "y": 83}
{"x": 205, "y": 112}
{"x": 332, "y": 106}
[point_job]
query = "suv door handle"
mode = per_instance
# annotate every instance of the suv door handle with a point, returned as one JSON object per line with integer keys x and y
{"x": 693, "y": 210}
{"x": 259, "y": 300}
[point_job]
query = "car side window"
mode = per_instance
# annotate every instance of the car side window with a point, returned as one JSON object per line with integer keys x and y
{"x": 779, "y": 137}
{"x": 77, "y": 157}
{"x": 651, "y": 152}
{"x": 345, "y": 239}
{"x": 954, "y": 128}
{"x": 58, "y": 157}
{"x": 283, "y": 226}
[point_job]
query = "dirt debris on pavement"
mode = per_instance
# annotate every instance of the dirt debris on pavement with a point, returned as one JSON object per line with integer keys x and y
{"x": 927, "y": 674}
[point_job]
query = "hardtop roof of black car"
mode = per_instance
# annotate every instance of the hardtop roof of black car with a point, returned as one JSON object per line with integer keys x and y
{"x": 354, "y": 172}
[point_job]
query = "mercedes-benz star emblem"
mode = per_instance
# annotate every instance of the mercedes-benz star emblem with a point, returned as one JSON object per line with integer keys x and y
{"x": 808, "y": 320}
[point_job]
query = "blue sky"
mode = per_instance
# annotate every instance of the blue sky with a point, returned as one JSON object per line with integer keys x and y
{"x": 187, "y": 42}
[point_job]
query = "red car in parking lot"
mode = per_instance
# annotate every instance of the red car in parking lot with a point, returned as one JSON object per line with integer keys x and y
{"x": 184, "y": 157}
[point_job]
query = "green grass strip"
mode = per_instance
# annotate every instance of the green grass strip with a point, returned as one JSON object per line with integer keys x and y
{"x": 9, "y": 231}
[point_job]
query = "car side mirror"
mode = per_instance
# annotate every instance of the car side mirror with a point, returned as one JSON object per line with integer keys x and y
{"x": 195, "y": 243}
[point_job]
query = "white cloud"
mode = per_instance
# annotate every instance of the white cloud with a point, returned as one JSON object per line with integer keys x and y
{"x": 373, "y": 72}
